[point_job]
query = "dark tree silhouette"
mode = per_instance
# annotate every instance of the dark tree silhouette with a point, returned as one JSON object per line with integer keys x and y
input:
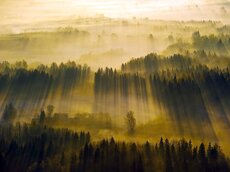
{"x": 42, "y": 117}
{"x": 49, "y": 109}
{"x": 9, "y": 114}
{"x": 130, "y": 122}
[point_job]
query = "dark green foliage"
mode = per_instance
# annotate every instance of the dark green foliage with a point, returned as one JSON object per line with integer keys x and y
{"x": 180, "y": 85}
{"x": 42, "y": 117}
{"x": 116, "y": 88}
{"x": 202, "y": 86}
{"x": 20, "y": 85}
{"x": 212, "y": 43}
{"x": 50, "y": 109}
{"x": 175, "y": 156}
{"x": 130, "y": 122}
{"x": 155, "y": 63}
{"x": 39, "y": 148}
{"x": 9, "y": 114}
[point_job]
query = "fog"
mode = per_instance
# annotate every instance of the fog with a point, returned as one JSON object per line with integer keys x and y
{"x": 94, "y": 61}
{"x": 96, "y": 32}
{"x": 100, "y": 41}
{"x": 28, "y": 11}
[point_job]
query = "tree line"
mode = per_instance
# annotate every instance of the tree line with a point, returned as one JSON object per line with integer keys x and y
{"x": 30, "y": 147}
{"x": 212, "y": 43}
{"x": 156, "y": 63}
{"x": 18, "y": 83}
{"x": 170, "y": 82}
{"x": 171, "y": 88}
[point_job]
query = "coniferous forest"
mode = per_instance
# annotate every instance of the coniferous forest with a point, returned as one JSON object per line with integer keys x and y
{"x": 37, "y": 147}
{"x": 114, "y": 86}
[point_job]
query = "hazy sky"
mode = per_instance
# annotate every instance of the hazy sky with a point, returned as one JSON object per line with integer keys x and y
{"x": 36, "y": 10}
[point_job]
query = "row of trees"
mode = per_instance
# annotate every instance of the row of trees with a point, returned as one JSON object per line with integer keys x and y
{"x": 113, "y": 91}
{"x": 155, "y": 63}
{"x": 163, "y": 156}
{"x": 39, "y": 148}
{"x": 47, "y": 118}
{"x": 213, "y": 43}
{"x": 110, "y": 81}
{"x": 81, "y": 120}
{"x": 70, "y": 69}
{"x": 140, "y": 82}
{"x": 186, "y": 94}
{"x": 27, "y": 147}
{"x": 18, "y": 85}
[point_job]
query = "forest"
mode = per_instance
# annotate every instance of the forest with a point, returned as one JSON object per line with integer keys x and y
{"x": 37, "y": 147}
{"x": 168, "y": 83}
{"x": 101, "y": 94}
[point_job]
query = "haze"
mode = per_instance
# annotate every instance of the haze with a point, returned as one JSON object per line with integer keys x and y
{"x": 75, "y": 74}
{"x": 26, "y": 11}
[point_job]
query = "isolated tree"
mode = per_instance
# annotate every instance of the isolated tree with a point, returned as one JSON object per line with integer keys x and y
{"x": 9, "y": 113}
{"x": 42, "y": 117}
{"x": 131, "y": 122}
{"x": 150, "y": 36}
{"x": 196, "y": 35}
{"x": 49, "y": 110}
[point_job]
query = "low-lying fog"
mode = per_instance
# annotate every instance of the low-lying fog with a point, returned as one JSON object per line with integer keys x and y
{"x": 99, "y": 41}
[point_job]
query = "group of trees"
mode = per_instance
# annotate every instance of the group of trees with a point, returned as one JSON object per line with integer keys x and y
{"x": 110, "y": 81}
{"x": 219, "y": 44}
{"x": 39, "y": 148}
{"x": 163, "y": 156}
{"x": 208, "y": 90}
{"x": 69, "y": 69}
{"x": 155, "y": 63}
{"x": 118, "y": 89}
{"x": 47, "y": 118}
{"x": 9, "y": 114}
{"x": 171, "y": 83}
{"x": 89, "y": 121}
{"x": 19, "y": 84}
{"x": 164, "y": 79}
{"x": 183, "y": 82}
